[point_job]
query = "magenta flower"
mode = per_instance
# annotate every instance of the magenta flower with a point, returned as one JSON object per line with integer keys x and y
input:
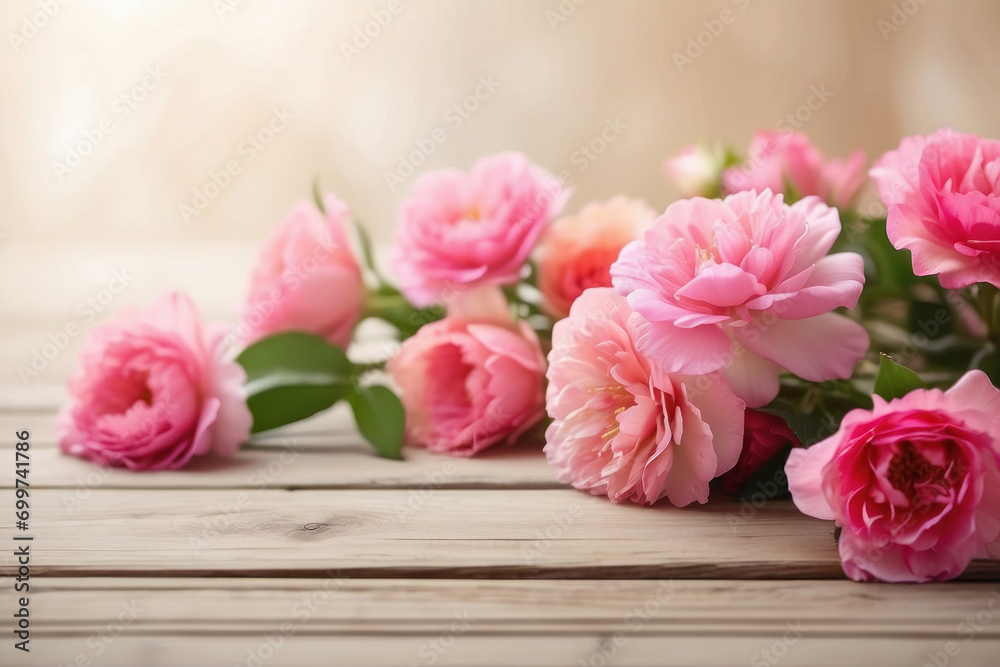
{"x": 913, "y": 483}
{"x": 943, "y": 194}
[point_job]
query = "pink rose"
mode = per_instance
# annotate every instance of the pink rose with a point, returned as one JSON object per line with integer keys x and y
{"x": 943, "y": 194}
{"x": 914, "y": 483}
{"x": 153, "y": 389}
{"x": 622, "y": 429}
{"x": 745, "y": 285}
{"x": 461, "y": 230}
{"x": 764, "y": 437}
{"x": 577, "y": 251}
{"x": 694, "y": 170}
{"x": 306, "y": 278}
{"x": 779, "y": 158}
{"x": 468, "y": 383}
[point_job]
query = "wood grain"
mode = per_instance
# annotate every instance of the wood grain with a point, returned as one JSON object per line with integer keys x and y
{"x": 456, "y": 622}
{"x": 299, "y": 464}
{"x": 436, "y": 533}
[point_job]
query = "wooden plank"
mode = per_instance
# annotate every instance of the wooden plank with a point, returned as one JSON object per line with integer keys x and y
{"x": 82, "y": 605}
{"x": 516, "y": 650}
{"x": 340, "y": 621}
{"x": 300, "y": 464}
{"x": 439, "y": 533}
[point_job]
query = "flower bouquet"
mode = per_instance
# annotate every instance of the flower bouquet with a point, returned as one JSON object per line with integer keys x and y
{"x": 763, "y": 333}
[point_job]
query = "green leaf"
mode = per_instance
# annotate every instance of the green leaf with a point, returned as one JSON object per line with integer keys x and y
{"x": 287, "y": 404}
{"x": 365, "y": 241}
{"x": 895, "y": 381}
{"x": 381, "y": 419}
{"x": 808, "y": 426}
{"x": 291, "y": 376}
{"x": 318, "y": 196}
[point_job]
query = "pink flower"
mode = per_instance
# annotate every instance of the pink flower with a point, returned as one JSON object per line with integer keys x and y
{"x": 779, "y": 158}
{"x": 622, "y": 429}
{"x": 153, "y": 389}
{"x": 577, "y": 251}
{"x": 914, "y": 483}
{"x": 460, "y": 230}
{"x": 468, "y": 383}
{"x": 694, "y": 170}
{"x": 943, "y": 194}
{"x": 745, "y": 285}
{"x": 306, "y": 278}
{"x": 764, "y": 437}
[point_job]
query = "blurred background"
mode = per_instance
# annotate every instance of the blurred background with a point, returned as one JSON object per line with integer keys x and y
{"x": 151, "y": 144}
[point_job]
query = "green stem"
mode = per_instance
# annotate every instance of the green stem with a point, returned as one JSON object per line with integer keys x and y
{"x": 987, "y": 309}
{"x": 360, "y": 369}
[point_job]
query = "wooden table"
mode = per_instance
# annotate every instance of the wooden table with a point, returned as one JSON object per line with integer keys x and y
{"x": 307, "y": 550}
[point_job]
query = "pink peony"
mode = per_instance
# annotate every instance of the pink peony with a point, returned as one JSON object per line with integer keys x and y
{"x": 460, "y": 230}
{"x": 624, "y": 430}
{"x": 153, "y": 389}
{"x": 745, "y": 285}
{"x": 306, "y": 278}
{"x": 695, "y": 170}
{"x": 779, "y": 159}
{"x": 764, "y": 437}
{"x": 914, "y": 483}
{"x": 577, "y": 251}
{"x": 943, "y": 194}
{"x": 470, "y": 382}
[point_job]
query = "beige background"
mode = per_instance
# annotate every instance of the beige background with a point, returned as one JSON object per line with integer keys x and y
{"x": 227, "y": 65}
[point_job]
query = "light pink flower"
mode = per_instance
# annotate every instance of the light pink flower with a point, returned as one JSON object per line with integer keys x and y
{"x": 153, "y": 389}
{"x": 577, "y": 251}
{"x": 622, "y": 429}
{"x": 306, "y": 278}
{"x": 780, "y": 158}
{"x": 695, "y": 170}
{"x": 914, "y": 483}
{"x": 460, "y": 230}
{"x": 943, "y": 194}
{"x": 468, "y": 383}
{"x": 764, "y": 437}
{"x": 745, "y": 285}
